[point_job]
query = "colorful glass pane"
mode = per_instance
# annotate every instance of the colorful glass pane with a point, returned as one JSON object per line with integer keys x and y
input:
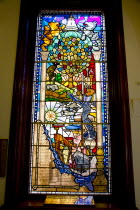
{"x": 70, "y": 147}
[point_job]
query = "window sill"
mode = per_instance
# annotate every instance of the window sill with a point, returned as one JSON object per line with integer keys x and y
{"x": 32, "y": 204}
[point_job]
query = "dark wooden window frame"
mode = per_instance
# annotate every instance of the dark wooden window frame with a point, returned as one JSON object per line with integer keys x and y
{"x": 123, "y": 195}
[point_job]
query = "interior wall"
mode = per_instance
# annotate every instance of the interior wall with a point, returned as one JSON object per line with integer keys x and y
{"x": 9, "y": 18}
{"x": 131, "y": 19}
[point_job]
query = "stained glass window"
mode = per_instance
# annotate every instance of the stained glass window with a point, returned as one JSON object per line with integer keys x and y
{"x": 70, "y": 146}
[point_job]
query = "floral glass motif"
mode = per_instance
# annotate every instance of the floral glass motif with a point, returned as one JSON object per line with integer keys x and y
{"x": 70, "y": 147}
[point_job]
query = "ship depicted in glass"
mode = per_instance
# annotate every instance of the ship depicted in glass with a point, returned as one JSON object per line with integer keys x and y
{"x": 70, "y": 146}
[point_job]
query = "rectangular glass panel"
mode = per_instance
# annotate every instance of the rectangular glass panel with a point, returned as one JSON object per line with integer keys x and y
{"x": 70, "y": 146}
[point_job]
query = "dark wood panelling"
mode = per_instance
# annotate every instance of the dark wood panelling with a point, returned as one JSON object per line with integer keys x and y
{"x": 3, "y": 156}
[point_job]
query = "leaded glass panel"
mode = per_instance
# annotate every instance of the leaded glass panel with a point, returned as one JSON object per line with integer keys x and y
{"x": 70, "y": 146}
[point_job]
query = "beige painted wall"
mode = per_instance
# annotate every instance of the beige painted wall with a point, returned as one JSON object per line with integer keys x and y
{"x": 9, "y": 17}
{"x": 131, "y": 17}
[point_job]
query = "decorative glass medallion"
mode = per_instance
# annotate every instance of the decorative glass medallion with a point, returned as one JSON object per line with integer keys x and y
{"x": 70, "y": 147}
